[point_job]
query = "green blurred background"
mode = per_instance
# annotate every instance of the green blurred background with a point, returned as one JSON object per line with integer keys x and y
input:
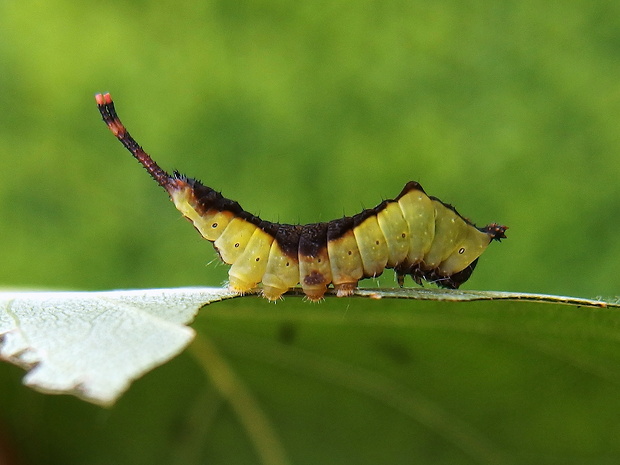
{"x": 305, "y": 111}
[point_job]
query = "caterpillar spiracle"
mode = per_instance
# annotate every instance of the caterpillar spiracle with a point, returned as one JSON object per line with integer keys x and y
{"x": 415, "y": 234}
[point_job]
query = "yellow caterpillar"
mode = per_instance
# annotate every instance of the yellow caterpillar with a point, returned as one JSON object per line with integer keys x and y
{"x": 414, "y": 234}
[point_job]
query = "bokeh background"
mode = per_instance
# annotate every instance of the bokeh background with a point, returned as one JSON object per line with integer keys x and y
{"x": 305, "y": 111}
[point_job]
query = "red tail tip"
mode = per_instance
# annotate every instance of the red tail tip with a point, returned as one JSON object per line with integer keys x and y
{"x": 103, "y": 99}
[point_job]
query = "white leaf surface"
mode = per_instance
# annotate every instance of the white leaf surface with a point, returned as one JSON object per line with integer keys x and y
{"x": 94, "y": 344}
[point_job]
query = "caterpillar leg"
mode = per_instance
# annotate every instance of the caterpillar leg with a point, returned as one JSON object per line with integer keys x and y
{"x": 273, "y": 293}
{"x": 315, "y": 292}
{"x": 345, "y": 289}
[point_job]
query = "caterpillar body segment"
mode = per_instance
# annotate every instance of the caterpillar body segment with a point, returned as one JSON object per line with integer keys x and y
{"x": 420, "y": 215}
{"x": 414, "y": 234}
{"x": 344, "y": 256}
{"x": 249, "y": 268}
{"x": 282, "y": 271}
{"x": 372, "y": 245}
{"x": 396, "y": 232}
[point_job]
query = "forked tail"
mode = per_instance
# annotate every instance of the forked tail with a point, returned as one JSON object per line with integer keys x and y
{"x": 108, "y": 113}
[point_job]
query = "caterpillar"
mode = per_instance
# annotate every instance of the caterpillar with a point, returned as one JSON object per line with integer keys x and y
{"x": 414, "y": 234}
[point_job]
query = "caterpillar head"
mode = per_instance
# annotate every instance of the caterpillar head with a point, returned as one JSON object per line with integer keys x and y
{"x": 461, "y": 262}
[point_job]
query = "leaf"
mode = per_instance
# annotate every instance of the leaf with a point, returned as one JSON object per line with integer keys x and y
{"x": 390, "y": 381}
{"x": 485, "y": 382}
{"x": 93, "y": 344}
{"x": 453, "y": 295}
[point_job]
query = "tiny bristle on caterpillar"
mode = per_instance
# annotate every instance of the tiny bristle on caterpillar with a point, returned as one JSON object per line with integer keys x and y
{"x": 415, "y": 234}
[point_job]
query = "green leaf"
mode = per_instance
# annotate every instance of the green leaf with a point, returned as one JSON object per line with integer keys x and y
{"x": 417, "y": 382}
{"x": 371, "y": 381}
